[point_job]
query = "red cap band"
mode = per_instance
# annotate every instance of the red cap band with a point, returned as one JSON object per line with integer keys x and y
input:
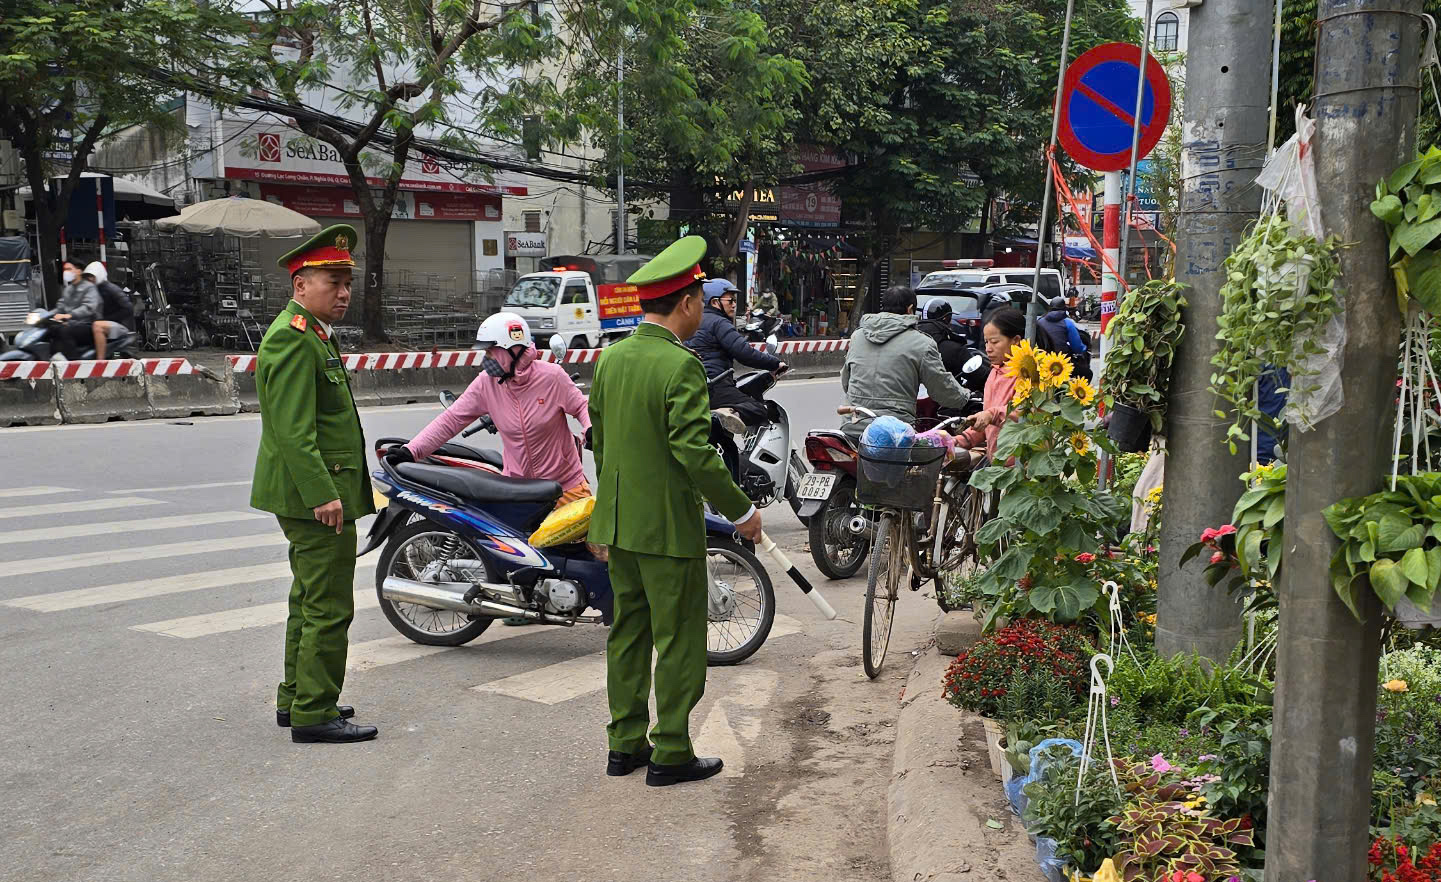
{"x": 671, "y": 285}
{"x": 326, "y": 255}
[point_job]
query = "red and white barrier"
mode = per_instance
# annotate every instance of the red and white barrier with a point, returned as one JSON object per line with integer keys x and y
{"x": 25, "y": 370}
{"x": 94, "y": 370}
{"x": 167, "y": 367}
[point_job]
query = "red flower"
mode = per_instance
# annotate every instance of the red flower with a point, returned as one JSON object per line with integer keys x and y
{"x": 1085, "y": 557}
{"x": 1217, "y": 557}
{"x": 1225, "y": 530}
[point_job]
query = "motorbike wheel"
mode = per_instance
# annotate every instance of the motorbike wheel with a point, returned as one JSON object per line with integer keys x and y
{"x": 837, "y": 551}
{"x": 737, "y": 636}
{"x": 408, "y": 552}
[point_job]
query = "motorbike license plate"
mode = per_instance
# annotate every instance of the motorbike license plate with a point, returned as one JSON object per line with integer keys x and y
{"x": 816, "y": 485}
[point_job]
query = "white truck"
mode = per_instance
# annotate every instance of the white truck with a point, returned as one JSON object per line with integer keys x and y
{"x": 573, "y": 300}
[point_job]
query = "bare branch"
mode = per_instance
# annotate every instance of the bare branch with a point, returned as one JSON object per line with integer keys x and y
{"x": 370, "y": 35}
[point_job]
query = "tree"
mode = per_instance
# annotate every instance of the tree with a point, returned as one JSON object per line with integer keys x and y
{"x": 81, "y": 69}
{"x": 408, "y": 66}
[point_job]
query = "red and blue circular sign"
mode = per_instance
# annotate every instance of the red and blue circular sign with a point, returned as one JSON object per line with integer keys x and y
{"x": 1098, "y": 102}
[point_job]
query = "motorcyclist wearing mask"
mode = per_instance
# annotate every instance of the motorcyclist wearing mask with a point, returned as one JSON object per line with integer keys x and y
{"x": 528, "y": 400}
{"x": 118, "y": 315}
{"x": 79, "y": 306}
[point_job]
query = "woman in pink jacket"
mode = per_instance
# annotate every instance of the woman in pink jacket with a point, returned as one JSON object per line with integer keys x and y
{"x": 528, "y": 400}
{"x": 1004, "y": 329}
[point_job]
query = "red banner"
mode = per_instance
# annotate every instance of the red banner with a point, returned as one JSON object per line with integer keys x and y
{"x": 619, "y": 306}
{"x": 340, "y": 202}
{"x": 812, "y": 205}
{"x": 457, "y": 206}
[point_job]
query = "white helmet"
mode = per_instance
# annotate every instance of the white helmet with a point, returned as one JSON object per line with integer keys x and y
{"x": 505, "y": 329}
{"x": 97, "y": 269}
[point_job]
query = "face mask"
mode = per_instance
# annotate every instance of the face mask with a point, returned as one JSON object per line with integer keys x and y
{"x": 71, "y": 276}
{"x": 492, "y": 367}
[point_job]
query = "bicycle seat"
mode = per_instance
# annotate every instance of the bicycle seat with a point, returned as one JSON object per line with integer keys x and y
{"x": 465, "y": 451}
{"x": 479, "y": 485}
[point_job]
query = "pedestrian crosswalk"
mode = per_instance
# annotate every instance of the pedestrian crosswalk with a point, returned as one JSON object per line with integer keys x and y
{"x": 199, "y": 581}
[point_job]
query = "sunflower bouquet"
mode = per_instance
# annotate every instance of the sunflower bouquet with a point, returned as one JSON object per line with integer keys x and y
{"x": 1052, "y": 519}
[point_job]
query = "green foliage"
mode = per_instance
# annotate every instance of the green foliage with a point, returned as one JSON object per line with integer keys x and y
{"x": 1083, "y": 832}
{"x": 1408, "y": 738}
{"x": 1266, "y": 321}
{"x": 1419, "y": 666}
{"x": 1144, "y": 336}
{"x": 1394, "y": 539}
{"x": 1250, "y": 546}
{"x": 1241, "y": 766}
{"x": 1413, "y": 821}
{"x": 1162, "y": 837}
{"x": 1165, "y": 691}
{"x": 1409, "y": 202}
{"x": 1128, "y": 472}
{"x": 1037, "y": 695}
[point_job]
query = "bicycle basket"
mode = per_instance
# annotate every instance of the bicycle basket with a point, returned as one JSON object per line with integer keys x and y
{"x": 899, "y": 477}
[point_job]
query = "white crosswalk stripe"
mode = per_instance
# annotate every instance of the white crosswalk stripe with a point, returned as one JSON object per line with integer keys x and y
{"x": 209, "y": 624}
{"x": 54, "y": 508}
{"x": 145, "y": 552}
{"x": 58, "y": 601}
{"x": 176, "y": 487}
{"x": 174, "y": 522}
{"x": 17, "y": 492}
{"x": 397, "y": 649}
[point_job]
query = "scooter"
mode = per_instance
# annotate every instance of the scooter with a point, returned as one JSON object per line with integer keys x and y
{"x": 761, "y": 327}
{"x": 456, "y": 557}
{"x": 34, "y": 343}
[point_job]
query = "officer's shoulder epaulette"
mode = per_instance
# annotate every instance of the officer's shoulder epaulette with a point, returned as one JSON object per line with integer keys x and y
{"x": 298, "y": 323}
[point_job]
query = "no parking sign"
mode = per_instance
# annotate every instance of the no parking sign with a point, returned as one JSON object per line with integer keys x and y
{"x": 1098, "y": 102}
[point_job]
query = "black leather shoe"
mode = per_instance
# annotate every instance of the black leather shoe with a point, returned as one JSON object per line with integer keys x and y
{"x": 337, "y": 731}
{"x": 624, "y": 763}
{"x": 282, "y": 717}
{"x": 698, "y": 769}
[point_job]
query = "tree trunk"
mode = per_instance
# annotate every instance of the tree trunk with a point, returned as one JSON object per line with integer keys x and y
{"x": 743, "y": 215}
{"x": 48, "y": 219}
{"x": 372, "y": 317}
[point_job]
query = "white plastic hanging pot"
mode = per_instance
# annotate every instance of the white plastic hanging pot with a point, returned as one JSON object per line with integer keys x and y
{"x": 1411, "y": 616}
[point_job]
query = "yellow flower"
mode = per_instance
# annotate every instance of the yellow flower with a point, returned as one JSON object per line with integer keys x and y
{"x": 1055, "y": 369}
{"x": 1153, "y": 496}
{"x": 1425, "y": 798}
{"x": 1023, "y": 391}
{"x": 1394, "y": 686}
{"x": 1080, "y": 442}
{"x": 1021, "y": 363}
{"x": 1082, "y": 391}
{"x": 1107, "y": 872}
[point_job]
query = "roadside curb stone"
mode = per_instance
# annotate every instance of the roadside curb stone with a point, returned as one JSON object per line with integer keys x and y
{"x": 942, "y": 792}
{"x": 956, "y": 631}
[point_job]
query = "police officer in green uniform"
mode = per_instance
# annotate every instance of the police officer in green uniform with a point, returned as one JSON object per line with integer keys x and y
{"x": 650, "y": 416}
{"x": 310, "y": 473}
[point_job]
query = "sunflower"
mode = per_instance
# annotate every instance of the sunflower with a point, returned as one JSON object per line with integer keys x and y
{"x": 1081, "y": 390}
{"x": 1022, "y": 363}
{"x": 1022, "y": 392}
{"x": 1080, "y": 442}
{"x": 1055, "y": 369}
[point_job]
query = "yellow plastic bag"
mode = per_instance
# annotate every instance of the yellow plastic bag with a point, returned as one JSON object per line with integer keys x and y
{"x": 568, "y": 523}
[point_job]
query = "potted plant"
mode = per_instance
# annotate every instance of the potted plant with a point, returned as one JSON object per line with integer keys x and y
{"x": 1393, "y": 540}
{"x": 1409, "y": 202}
{"x": 1144, "y": 335}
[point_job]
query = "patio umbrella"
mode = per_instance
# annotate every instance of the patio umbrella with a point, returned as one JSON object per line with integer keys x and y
{"x": 133, "y": 200}
{"x": 243, "y": 218}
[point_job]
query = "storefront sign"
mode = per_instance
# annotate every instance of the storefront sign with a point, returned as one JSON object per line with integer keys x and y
{"x": 812, "y": 205}
{"x": 525, "y": 245}
{"x": 264, "y": 151}
{"x": 341, "y": 202}
{"x": 619, "y": 306}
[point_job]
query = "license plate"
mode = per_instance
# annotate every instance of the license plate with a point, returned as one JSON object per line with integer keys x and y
{"x": 816, "y": 485}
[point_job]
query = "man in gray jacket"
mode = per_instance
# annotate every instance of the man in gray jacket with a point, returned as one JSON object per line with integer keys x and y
{"x": 79, "y": 307}
{"x": 888, "y": 361}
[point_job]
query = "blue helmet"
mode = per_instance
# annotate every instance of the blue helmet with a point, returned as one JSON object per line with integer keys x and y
{"x": 714, "y": 288}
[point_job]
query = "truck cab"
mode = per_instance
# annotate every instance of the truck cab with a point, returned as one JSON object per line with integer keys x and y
{"x": 558, "y": 302}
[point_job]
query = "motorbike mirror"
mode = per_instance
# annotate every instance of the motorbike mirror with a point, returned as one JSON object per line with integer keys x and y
{"x": 447, "y": 397}
{"x": 973, "y": 364}
{"x": 557, "y": 347}
{"x": 773, "y": 344}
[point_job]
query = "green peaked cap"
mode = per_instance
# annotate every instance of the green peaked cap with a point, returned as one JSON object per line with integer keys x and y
{"x": 671, "y": 270}
{"x": 329, "y": 247}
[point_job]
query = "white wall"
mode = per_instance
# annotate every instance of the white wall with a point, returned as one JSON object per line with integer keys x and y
{"x": 1138, "y": 9}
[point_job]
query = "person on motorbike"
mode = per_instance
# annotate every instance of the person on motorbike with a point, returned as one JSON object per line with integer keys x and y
{"x": 719, "y": 346}
{"x": 936, "y": 323}
{"x": 117, "y": 313}
{"x": 889, "y": 359}
{"x": 1057, "y": 332}
{"x": 79, "y": 306}
{"x": 1004, "y": 328}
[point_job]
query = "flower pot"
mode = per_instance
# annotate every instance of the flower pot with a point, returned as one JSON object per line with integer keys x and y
{"x": 995, "y": 735}
{"x": 1411, "y": 616}
{"x": 1130, "y": 428}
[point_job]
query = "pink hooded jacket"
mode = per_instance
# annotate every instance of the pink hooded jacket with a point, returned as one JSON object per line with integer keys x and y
{"x": 997, "y": 402}
{"x": 529, "y": 412}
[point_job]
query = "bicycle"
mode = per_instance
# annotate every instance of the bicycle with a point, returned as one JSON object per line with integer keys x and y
{"x": 901, "y": 486}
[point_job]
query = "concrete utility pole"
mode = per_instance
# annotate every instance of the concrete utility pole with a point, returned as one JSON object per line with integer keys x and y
{"x": 1222, "y": 147}
{"x": 1367, "y": 74}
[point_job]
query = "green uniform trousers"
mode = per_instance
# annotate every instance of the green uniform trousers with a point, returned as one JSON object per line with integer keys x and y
{"x": 660, "y": 603}
{"x": 322, "y": 603}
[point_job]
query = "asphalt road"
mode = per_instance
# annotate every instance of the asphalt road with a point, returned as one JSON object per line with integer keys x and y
{"x": 141, "y": 613}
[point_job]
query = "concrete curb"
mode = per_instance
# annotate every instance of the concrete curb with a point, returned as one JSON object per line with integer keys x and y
{"x": 942, "y": 793}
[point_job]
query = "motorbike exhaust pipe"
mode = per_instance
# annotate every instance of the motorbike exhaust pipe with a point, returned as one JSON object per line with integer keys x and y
{"x": 451, "y": 596}
{"x": 860, "y": 526}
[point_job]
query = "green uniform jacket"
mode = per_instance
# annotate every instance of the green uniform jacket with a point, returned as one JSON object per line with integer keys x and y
{"x": 312, "y": 449}
{"x": 650, "y": 417}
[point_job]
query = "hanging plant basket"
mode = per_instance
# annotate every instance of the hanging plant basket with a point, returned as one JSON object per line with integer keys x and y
{"x": 1130, "y": 428}
{"x": 1409, "y": 615}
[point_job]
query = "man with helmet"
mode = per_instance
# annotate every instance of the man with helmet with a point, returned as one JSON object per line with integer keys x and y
{"x": 719, "y": 345}
{"x": 528, "y": 399}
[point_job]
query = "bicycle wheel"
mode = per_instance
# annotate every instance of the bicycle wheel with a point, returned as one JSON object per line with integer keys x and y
{"x": 888, "y": 568}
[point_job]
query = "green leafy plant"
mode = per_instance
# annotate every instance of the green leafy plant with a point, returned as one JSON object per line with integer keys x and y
{"x": 1409, "y": 202}
{"x": 1268, "y": 319}
{"x": 1167, "y": 690}
{"x": 1393, "y": 538}
{"x": 1249, "y": 548}
{"x": 980, "y": 678}
{"x": 1083, "y": 831}
{"x": 1128, "y": 472}
{"x": 1163, "y": 837}
{"x": 1241, "y": 766}
{"x": 1024, "y": 734}
{"x": 1144, "y": 335}
{"x": 1036, "y": 694}
{"x": 1052, "y": 521}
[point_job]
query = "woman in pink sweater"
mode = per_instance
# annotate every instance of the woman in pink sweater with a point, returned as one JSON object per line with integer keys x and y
{"x": 1004, "y": 329}
{"x": 528, "y": 400}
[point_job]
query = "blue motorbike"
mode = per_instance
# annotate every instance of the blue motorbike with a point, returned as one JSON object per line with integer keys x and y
{"x": 456, "y": 557}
